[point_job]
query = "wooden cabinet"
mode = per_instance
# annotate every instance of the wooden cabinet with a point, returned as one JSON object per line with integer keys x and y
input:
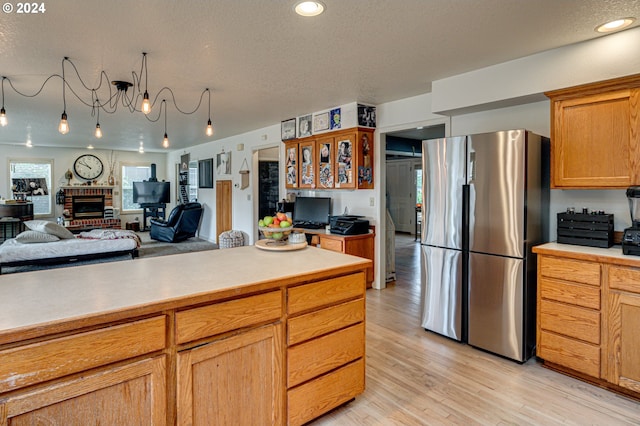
{"x": 589, "y": 315}
{"x": 624, "y": 327}
{"x": 595, "y": 135}
{"x": 326, "y": 346}
{"x": 337, "y": 160}
{"x": 234, "y": 380}
{"x": 568, "y": 327}
{"x": 358, "y": 245}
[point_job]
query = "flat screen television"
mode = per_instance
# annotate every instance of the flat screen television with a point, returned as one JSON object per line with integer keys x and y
{"x": 151, "y": 192}
{"x": 312, "y": 210}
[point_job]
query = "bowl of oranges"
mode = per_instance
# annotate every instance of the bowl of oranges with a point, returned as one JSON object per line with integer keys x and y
{"x": 276, "y": 228}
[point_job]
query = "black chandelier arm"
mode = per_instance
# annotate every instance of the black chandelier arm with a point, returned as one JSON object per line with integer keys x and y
{"x": 38, "y": 91}
{"x": 175, "y": 103}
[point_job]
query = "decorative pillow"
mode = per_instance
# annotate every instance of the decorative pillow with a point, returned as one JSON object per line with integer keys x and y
{"x": 27, "y": 237}
{"x": 49, "y": 228}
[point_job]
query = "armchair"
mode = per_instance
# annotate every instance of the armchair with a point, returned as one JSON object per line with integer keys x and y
{"x": 183, "y": 223}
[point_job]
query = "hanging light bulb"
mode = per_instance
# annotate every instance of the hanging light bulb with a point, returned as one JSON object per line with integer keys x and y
{"x": 146, "y": 104}
{"x": 3, "y": 113}
{"x": 63, "y": 127}
{"x": 141, "y": 148}
{"x": 209, "y": 129}
{"x": 98, "y": 131}
{"x": 165, "y": 141}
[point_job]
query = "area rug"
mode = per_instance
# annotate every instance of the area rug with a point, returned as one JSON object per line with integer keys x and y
{"x": 152, "y": 248}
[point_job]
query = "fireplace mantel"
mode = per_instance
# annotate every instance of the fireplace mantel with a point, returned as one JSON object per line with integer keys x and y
{"x": 86, "y": 190}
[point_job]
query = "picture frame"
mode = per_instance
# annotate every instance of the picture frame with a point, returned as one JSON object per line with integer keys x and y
{"x": 205, "y": 173}
{"x": 307, "y": 166}
{"x": 335, "y": 118}
{"x": 291, "y": 155}
{"x": 288, "y": 129}
{"x": 223, "y": 166}
{"x": 366, "y": 116}
{"x": 305, "y": 126}
{"x": 321, "y": 122}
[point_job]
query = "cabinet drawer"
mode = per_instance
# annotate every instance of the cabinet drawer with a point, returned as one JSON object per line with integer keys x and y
{"x": 334, "y": 245}
{"x": 324, "y": 321}
{"x": 576, "y": 294}
{"x": 322, "y": 293}
{"x": 308, "y": 401}
{"x": 572, "y": 321}
{"x": 219, "y": 318}
{"x": 626, "y": 279}
{"x": 315, "y": 357}
{"x": 570, "y": 270}
{"x": 42, "y": 361}
{"x": 570, "y": 353}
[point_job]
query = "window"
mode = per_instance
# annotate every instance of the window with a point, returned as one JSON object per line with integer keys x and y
{"x": 31, "y": 179}
{"x": 132, "y": 173}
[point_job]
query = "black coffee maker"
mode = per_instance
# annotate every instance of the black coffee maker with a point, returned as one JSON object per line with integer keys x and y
{"x": 631, "y": 236}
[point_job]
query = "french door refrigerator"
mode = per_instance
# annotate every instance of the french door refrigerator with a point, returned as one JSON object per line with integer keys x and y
{"x": 484, "y": 205}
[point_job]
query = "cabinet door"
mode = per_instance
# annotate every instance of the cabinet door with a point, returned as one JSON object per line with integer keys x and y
{"x": 291, "y": 164}
{"x": 624, "y": 340}
{"x": 364, "y": 152}
{"x": 237, "y": 380}
{"x": 595, "y": 140}
{"x": 326, "y": 162}
{"x": 133, "y": 394}
{"x": 307, "y": 164}
{"x": 345, "y": 174}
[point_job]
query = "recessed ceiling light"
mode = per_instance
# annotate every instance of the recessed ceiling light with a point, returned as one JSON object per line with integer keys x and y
{"x": 616, "y": 25}
{"x": 309, "y": 8}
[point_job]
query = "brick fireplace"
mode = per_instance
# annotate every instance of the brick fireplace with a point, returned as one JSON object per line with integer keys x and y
{"x": 86, "y": 206}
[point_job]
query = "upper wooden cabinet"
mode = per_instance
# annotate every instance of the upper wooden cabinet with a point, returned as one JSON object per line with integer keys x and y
{"x": 595, "y": 131}
{"x": 336, "y": 160}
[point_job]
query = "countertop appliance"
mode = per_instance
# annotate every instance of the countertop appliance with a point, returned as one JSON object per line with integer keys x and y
{"x": 631, "y": 235}
{"x": 486, "y": 200}
{"x": 349, "y": 225}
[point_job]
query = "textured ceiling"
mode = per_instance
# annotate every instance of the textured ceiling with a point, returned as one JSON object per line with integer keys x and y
{"x": 262, "y": 62}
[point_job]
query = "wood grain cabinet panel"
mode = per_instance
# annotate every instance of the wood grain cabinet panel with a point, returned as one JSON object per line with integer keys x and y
{"x": 595, "y": 132}
{"x": 79, "y": 352}
{"x": 570, "y": 270}
{"x": 571, "y": 321}
{"x": 326, "y": 292}
{"x": 318, "y": 323}
{"x": 233, "y": 381}
{"x": 132, "y": 394}
{"x": 624, "y": 328}
{"x": 198, "y": 323}
{"x": 571, "y": 293}
{"x": 571, "y": 353}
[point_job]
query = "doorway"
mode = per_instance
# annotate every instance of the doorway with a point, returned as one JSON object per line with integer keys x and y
{"x": 266, "y": 183}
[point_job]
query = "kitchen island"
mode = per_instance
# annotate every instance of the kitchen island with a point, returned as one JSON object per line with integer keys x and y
{"x": 588, "y": 314}
{"x": 231, "y": 336}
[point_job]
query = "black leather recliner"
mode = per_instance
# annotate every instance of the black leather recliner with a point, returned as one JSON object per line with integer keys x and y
{"x": 183, "y": 223}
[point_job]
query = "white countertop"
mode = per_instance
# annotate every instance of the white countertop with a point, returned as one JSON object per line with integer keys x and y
{"x": 611, "y": 254}
{"x": 46, "y": 297}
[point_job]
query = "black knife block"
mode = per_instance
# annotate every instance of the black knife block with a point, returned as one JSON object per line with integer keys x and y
{"x": 584, "y": 229}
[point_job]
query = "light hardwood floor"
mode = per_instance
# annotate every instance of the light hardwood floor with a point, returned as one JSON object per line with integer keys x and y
{"x": 415, "y": 377}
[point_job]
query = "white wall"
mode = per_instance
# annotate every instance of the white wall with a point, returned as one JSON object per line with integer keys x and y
{"x": 63, "y": 159}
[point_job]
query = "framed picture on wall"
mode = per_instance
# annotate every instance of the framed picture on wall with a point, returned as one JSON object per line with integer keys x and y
{"x": 321, "y": 122}
{"x": 288, "y": 129}
{"x": 223, "y": 166}
{"x": 304, "y": 126}
{"x": 205, "y": 173}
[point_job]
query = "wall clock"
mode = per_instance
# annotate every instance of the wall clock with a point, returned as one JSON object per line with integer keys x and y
{"x": 88, "y": 167}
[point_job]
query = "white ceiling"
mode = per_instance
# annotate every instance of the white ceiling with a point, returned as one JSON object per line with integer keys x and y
{"x": 262, "y": 62}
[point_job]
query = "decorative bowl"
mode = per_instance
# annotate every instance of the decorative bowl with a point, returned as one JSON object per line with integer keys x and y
{"x": 275, "y": 234}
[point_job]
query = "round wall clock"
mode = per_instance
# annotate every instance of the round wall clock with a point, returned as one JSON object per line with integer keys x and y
{"x": 88, "y": 167}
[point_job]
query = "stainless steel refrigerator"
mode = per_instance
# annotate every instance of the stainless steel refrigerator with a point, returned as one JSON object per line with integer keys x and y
{"x": 485, "y": 202}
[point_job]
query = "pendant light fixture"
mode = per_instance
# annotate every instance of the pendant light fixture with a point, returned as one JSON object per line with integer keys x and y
{"x": 146, "y": 104}
{"x": 63, "y": 127}
{"x": 209, "y": 130}
{"x": 98, "y": 129}
{"x": 165, "y": 141}
{"x": 3, "y": 113}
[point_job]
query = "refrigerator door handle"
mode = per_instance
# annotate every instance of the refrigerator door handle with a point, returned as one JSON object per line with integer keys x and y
{"x": 472, "y": 166}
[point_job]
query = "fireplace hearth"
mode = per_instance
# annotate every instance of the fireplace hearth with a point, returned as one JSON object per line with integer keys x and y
{"x": 88, "y": 206}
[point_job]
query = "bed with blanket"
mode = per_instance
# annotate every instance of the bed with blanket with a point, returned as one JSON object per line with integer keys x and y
{"x": 47, "y": 243}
